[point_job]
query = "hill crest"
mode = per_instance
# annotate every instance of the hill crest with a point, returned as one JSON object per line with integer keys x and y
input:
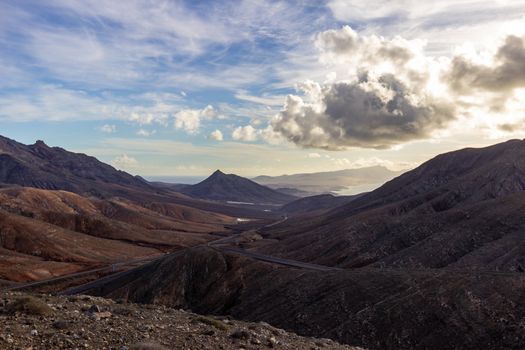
{"x": 230, "y": 187}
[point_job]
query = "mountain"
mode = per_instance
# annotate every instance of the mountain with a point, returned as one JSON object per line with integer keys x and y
{"x": 438, "y": 248}
{"x": 45, "y": 233}
{"x": 54, "y": 168}
{"x": 315, "y": 204}
{"x": 41, "y": 166}
{"x": 372, "y": 308}
{"x": 460, "y": 209}
{"x": 233, "y": 188}
{"x": 348, "y": 181}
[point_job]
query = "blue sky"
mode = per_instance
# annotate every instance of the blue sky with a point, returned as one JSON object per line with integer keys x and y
{"x": 182, "y": 88}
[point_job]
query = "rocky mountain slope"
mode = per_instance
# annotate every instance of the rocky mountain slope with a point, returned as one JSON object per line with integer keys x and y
{"x": 45, "y": 322}
{"x": 230, "y": 187}
{"x": 41, "y": 166}
{"x": 373, "y": 308}
{"x": 462, "y": 208}
{"x": 315, "y": 204}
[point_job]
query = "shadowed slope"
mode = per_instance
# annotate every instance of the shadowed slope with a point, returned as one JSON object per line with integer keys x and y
{"x": 41, "y": 166}
{"x": 460, "y": 208}
{"x": 377, "y": 309}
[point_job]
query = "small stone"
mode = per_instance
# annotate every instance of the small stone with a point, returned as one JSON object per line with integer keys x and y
{"x": 34, "y": 332}
{"x": 272, "y": 342}
{"x": 240, "y": 334}
{"x": 60, "y": 324}
{"x": 100, "y": 315}
{"x": 94, "y": 308}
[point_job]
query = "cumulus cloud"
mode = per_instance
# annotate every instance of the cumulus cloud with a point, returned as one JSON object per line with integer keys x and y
{"x": 347, "y": 46}
{"x": 216, "y": 135}
{"x": 371, "y": 112}
{"x": 245, "y": 133}
{"x": 393, "y": 92}
{"x": 249, "y": 134}
{"x": 190, "y": 119}
{"x": 107, "y": 128}
{"x": 503, "y": 73}
{"x": 125, "y": 162}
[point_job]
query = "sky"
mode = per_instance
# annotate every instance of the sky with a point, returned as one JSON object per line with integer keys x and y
{"x": 181, "y": 88}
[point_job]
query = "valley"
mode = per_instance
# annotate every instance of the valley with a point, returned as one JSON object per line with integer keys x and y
{"x": 262, "y": 175}
{"x": 439, "y": 247}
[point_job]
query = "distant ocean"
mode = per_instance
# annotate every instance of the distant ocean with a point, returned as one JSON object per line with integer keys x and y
{"x": 188, "y": 180}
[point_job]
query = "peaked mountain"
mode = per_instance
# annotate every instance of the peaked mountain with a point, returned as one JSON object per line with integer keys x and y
{"x": 459, "y": 209}
{"x": 54, "y": 168}
{"x": 230, "y": 187}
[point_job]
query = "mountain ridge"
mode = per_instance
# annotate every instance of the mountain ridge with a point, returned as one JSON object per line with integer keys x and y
{"x": 461, "y": 208}
{"x": 55, "y": 168}
{"x": 230, "y": 187}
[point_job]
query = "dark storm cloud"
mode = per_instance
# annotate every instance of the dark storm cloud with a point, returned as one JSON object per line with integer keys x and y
{"x": 506, "y": 73}
{"x": 371, "y": 113}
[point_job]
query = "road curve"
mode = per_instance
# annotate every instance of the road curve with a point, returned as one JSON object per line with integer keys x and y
{"x": 277, "y": 261}
{"x": 213, "y": 244}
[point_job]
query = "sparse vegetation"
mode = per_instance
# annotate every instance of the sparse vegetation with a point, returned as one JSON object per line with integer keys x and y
{"x": 211, "y": 322}
{"x": 29, "y": 305}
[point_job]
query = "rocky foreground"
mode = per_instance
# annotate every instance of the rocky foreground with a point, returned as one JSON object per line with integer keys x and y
{"x": 85, "y": 322}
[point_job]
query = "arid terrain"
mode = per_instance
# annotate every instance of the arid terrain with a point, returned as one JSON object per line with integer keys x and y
{"x": 432, "y": 259}
{"x": 262, "y": 174}
{"x": 45, "y": 322}
{"x": 369, "y": 307}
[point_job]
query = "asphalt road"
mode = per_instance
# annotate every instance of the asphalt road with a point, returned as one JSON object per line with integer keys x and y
{"x": 110, "y": 268}
{"x": 278, "y": 261}
{"x": 214, "y": 244}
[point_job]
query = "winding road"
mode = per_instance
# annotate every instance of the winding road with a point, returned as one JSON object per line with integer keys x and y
{"x": 216, "y": 244}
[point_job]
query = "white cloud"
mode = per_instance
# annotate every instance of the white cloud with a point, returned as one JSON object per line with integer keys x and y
{"x": 394, "y": 92}
{"x": 265, "y": 99}
{"x": 269, "y": 135}
{"x": 125, "y": 162}
{"x": 49, "y": 102}
{"x": 117, "y": 44}
{"x": 190, "y": 119}
{"x": 245, "y": 133}
{"x": 148, "y": 118}
{"x": 145, "y": 133}
{"x": 216, "y": 135}
{"x": 109, "y": 129}
{"x": 57, "y": 103}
